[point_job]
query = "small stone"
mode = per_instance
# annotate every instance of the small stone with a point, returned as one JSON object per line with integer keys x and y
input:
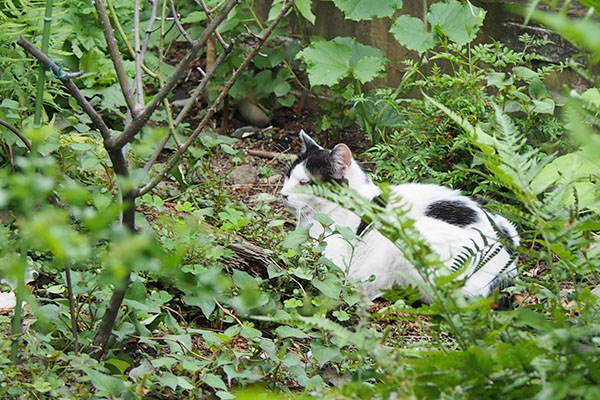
{"x": 244, "y": 174}
{"x": 266, "y": 198}
{"x": 252, "y": 113}
{"x": 274, "y": 179}
{"x": 244, "y": 132}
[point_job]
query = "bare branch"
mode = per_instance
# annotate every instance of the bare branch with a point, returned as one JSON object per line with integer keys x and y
{"x": 178, "y": 23}
{"x": 17, "y": 132}
{"x": 209, "y": 15}
{"x": 115, "y": 55}
{"x": 184, "y": 111}
{"x": 212, "y": 110}
{"x": 140, "y": 120}
{"x": 205, "y": 79}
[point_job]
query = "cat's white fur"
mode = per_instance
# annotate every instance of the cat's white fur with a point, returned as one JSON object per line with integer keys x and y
{"x": 375, "y": 254}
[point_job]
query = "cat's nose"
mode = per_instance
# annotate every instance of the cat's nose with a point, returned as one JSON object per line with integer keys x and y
{"x": 285, "y": 196}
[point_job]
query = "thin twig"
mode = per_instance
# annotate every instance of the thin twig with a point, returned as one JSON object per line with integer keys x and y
{"x": 17, "y": 132}
{"x": 226, "y": 311}
{"x": 115, "y": 19}
{"x": 178, "y": 23}
{"x": 139, "y": 87}
{"x": 213, "y": 109}
{"x": 269, "y": 154}
{"x": 115, "y": 55}
{"x": 203, "y": 83}
{"x": 209, "y": 15}
{"x": 184, "y": 111}
{"x": 140, "y": 120}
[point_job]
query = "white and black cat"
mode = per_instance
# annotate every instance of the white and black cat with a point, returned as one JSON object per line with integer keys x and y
{"x": 453, "y": 224}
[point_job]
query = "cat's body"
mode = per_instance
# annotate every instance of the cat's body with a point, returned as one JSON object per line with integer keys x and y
{"x": 450, "y": 222}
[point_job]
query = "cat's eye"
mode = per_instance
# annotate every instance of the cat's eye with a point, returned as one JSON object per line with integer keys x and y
{"x": 303, "y": 182}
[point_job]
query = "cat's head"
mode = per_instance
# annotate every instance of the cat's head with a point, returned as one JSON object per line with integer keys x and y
{"x": 316, "y": 164}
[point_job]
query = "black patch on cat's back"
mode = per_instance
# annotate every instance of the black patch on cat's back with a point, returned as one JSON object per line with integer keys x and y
{"x": 454, "y": 212}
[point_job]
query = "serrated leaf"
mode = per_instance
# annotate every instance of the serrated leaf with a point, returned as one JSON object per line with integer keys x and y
{"x": 327, "y": 62}
{"x": 411, "y": 33}
{"x": 460, "y": 22}
{"x": 368, "y": 68}
{"x": 358, "y": 10}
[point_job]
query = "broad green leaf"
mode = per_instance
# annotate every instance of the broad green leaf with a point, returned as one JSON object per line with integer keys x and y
{"x": 581, "y": 161}
{"x": 323, "y": 353}
{"x": 105, "y": 383}
{"x": 358, "y": 10}
{"x": 584, "y": 33}
{"x": 411, "y": 33}
{"x": 304, "y": 6}
{"x": 206, "y": 304}
{"x": 537, "y": 89}
{"x": 330, "y": 286}
{"x": 213, "y": 381}
{"x": 525, "y": 73}
{"x": 368, "y": 68}
{"x": 460, "y": 22}
{"x": 285, "y": 331}
{"x": 327, "y": 62}
{"x": 497, "y": 79}
{"x": 120, "y": 365}
{"x": 545, "y": 106}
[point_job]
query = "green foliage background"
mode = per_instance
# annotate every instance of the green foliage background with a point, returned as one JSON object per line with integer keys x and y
{"x": 193, "y": 325}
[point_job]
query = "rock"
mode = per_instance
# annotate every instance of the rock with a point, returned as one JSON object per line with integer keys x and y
{"x": 275, "y": 179}
{"x": 8, "y": 301}
{"x": 252, "y": 113}
{"x": 244, "y": 174}
{"x": 266, "y": 198}
{"x": 244, "y": 132}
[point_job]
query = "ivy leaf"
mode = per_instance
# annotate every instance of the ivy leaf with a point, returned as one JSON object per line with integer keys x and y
{"x": 106, "y": 383}
{"x": 411, "y": 33}
{"x": 459, "y": 22}
{"x": 358, "y": 10}
{"x": 322, "y": 353}
{"x": 285, "y": 331}
{"x": 213, "y": 381}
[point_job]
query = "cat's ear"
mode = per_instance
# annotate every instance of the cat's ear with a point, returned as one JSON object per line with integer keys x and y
{"x": 341, "y": 157}
{"x": 307, "y": 142}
